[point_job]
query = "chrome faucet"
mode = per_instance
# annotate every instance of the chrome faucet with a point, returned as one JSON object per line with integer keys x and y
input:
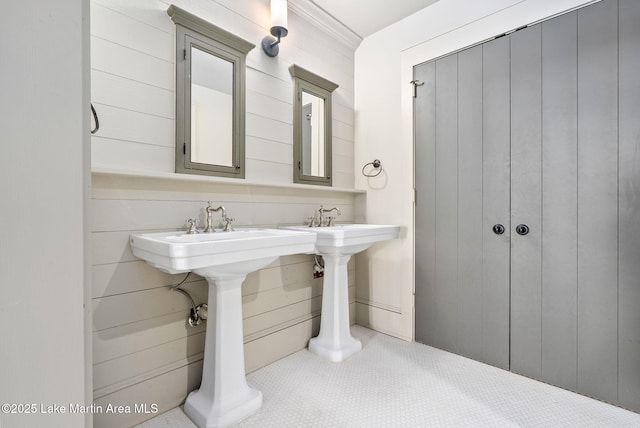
{"x": 209, "y": 211}
{"x": 321, "y": 213}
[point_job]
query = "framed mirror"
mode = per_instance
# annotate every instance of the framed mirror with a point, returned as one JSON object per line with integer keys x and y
{"x": 311, "y": 127}
{"x": 210, "y": 97}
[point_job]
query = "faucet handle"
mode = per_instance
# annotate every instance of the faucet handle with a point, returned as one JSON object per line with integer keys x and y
{"x": 310, "y": 220}
{"x": 330, "y": 221}
{"x": 228, "y": 227}
{"x": 191, "y": 225}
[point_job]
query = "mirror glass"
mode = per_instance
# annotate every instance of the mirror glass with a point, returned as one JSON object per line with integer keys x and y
{"x": 210, "y": 97}
{"x": 313, "y": 141}
{"x": 211, "y": 109}
{"x": 311, "y": 127}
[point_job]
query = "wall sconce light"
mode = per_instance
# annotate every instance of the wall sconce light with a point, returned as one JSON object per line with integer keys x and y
{"x": 278, "y": 27}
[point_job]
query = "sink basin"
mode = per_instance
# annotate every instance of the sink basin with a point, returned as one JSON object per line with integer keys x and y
{"x": 224, "y": 259}
{"x": 208, "y": 253}
{"x": 348, "y": 238}
{"x": 336, "y": 244}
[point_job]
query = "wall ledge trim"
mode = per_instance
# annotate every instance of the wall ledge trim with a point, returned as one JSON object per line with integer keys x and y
{"x": 171, "y": 176}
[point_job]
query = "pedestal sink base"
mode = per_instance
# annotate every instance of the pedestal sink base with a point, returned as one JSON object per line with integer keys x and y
{"x": 335, "y": 342}
{"x": 335, "y": 352}
{"x": 224, "y": 397}
{"x": 205, "y": 413}
{"x": 336, "y": 244}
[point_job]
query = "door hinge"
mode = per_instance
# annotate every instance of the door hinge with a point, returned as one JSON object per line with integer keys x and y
{"x": 298, "y": 164}
{"x": 415, "y": 84}
{"x": 184, "y": 149}
{"x": 184, "y": 54}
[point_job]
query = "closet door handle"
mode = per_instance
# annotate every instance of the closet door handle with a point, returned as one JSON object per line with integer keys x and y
{"x": 522, "y": 229}
{"x": 498, "y": 229}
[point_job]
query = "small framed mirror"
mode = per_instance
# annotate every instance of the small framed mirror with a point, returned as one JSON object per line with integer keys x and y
{"x": 210, "y": 97}
{"x": 311, "y": 127}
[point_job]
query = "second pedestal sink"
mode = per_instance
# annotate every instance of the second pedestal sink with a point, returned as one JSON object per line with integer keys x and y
{"x": 336, "y": 244}
{"x": 224, "y": 259}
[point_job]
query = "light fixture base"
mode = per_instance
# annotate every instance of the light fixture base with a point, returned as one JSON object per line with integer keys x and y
{"x": 270, "y": 46}
{"x": 278, "y": 31}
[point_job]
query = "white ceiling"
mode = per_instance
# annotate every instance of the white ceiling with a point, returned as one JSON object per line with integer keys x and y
{"x": 365, "y": 17}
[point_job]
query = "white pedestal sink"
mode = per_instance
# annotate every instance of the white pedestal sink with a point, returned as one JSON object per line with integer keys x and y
{"x": 336, "y": 244}
{"x": 224, "y": 259}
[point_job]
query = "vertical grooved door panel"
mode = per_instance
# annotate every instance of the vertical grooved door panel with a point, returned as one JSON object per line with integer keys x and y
{"x": 598, "y": 201}
{"x": 425, "y": 214}
{"x": 559, "y": 200}
{"x": 629, "y": 196}
{"x": 470, "y": 203}
{"x": 496, "y": 202}
{"x": 446, "y": 202}
{"x": 526, "y": 190}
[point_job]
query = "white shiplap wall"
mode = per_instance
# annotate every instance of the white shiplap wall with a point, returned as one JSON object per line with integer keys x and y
{"x": 144, "y": 352}
{"x": 133, "y": 86}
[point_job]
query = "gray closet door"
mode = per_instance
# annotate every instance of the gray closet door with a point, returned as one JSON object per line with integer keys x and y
{"x": 629, "y": 212}
{"x": 537, "y": 128}
{"x": 496, "y": 171}
{"x": 470, "y": 216}
{"x": 462, "y": 179}
{"x": 598, "y": 201}
{"x": 559, "y": 226}
{"x": 526, "y": 203}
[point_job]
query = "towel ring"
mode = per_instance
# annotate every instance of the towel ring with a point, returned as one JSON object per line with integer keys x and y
{"x": 377, "y": 167}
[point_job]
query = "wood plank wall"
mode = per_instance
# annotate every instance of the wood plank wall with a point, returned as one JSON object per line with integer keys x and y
{"x": 144, "y": 351}
{"x": 133, "y": 86}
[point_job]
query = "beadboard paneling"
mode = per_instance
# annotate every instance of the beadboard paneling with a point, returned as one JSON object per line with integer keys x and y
{"x": 166, "y": 390}
{"x": 127, "y": 94}
{"x": 118, "y": 370}
{"x": 119, "y": 60}
{"x": 268, "y": 107}
{"x": 131, "y": 338}
{"x": 127, "y": 125}
{"x": 268, "y": 150}
{"x": 270, "y": 129}
{"x": 263, "y": 83}
{"x": 149, "y": 12}
{"x": 108, "y": 23}
{"x": 140, "y": 157}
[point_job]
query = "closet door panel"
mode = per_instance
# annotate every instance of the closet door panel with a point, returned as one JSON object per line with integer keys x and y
{"x": 470, "y": 202}
{"x": 425, "y": 220}
{"x": 629, "y": 196}
{"x": 598, "y": 200}
{"x": 526, "y": 257}
{"x": 495, "y": 200}
{"x": 447, "y": 202}
{"x": 559, "y": 200}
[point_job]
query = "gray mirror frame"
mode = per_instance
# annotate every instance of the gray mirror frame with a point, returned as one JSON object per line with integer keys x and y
{"x": 194, "y": 31}
{"x": 309, "y": 82}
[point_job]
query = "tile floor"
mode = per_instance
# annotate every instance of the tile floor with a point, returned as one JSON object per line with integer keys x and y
{"x": 393, "y": 383}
